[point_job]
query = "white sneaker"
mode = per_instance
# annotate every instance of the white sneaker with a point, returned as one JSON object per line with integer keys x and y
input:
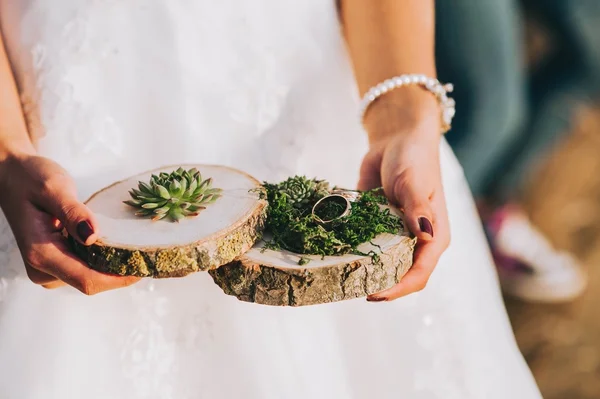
{"x": 529, "y": 267}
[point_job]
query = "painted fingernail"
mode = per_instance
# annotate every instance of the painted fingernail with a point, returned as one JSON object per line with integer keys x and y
{"x": 376, "y": 299}
{"x": 84, "y": 229}
{"x": 425, "y": 226}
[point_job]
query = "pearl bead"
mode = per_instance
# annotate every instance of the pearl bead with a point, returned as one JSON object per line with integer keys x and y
{"x": 434, "y": 86}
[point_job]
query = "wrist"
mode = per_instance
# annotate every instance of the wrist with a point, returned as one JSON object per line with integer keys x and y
{"x": 406, "y": 110}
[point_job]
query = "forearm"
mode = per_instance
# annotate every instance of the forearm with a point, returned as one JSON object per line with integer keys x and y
{"x": 14, "y": 138}
{"x": 387, "y": 38}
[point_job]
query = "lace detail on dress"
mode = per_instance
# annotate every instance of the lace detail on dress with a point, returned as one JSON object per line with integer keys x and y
{"x": 148, "y": 357}
{"x": 264, "y": 94}
{"x": 50, "y": 100}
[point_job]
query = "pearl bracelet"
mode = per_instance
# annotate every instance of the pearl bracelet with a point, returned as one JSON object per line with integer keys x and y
{"x": 432, "y": 85}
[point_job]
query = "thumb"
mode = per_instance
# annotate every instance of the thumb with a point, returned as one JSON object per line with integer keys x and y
{"x": 73, "y": 215}
{"x": 370, "y": 176}
{"x": 413, "y": 197}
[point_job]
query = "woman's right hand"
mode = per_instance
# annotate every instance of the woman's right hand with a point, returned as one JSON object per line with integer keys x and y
{"x": 39, "y": 199}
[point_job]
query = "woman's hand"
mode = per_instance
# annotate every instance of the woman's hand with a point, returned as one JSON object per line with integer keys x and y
{"x": 404, "y": 159}
{"x": 39, "y": 200}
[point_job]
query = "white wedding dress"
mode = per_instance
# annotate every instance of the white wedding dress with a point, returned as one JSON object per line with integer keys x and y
{"x": 113, "y": 87}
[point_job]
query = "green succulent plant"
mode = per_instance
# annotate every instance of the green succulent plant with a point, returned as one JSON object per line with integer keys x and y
{"x": 300, "y": 190}
{"x": 176, "y": 195}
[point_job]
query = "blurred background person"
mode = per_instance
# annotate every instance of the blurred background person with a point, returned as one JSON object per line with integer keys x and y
{"x": 509, "y": 116}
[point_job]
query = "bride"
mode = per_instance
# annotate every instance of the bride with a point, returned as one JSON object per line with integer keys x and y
{"x": 94, "y": 91}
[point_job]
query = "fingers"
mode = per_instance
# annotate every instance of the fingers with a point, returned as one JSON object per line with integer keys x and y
{"x": 409, "y": 192}
{"x": 57, "y": 224}
{"x": 77, "y": 219}
{"x": 44, "y": 279}
{"x": 50, "y": 262}
{"x": 425, "y": 258}
{"x": 45, "y": 204}
{"x": 68, "y": 268}
{"x": 414, "y": 196}
{"x": 61, "y": 202}
{"x": 38, "y": 277}
{"x": 54, "y": 285}
{"x": 370, "y": 177}
{"x": 54, "y": 258}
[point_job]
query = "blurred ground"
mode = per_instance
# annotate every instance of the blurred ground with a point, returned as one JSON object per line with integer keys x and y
{"x": 562, "y": 342}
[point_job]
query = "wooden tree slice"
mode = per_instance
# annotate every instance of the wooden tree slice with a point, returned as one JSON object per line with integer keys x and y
{"x": 274, "y": 277}
{"x": 132, "y": 245}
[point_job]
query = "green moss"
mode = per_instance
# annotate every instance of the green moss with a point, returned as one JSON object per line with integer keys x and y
{"x": 203, "y": 259}
{"x": 137, "y": 264}
{"x": 241, "y": 240}
{"x": 231, "y": 246}
{"x": 113, "y": 261}
{"x": 172, "y": 262}
{"x": 293, "y": 228}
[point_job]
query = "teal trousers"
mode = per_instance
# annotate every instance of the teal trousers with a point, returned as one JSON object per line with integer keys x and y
{"x": 508, "y": 116}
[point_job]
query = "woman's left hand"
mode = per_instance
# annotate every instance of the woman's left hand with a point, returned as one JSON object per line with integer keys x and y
{"x": 404, "y": 159}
